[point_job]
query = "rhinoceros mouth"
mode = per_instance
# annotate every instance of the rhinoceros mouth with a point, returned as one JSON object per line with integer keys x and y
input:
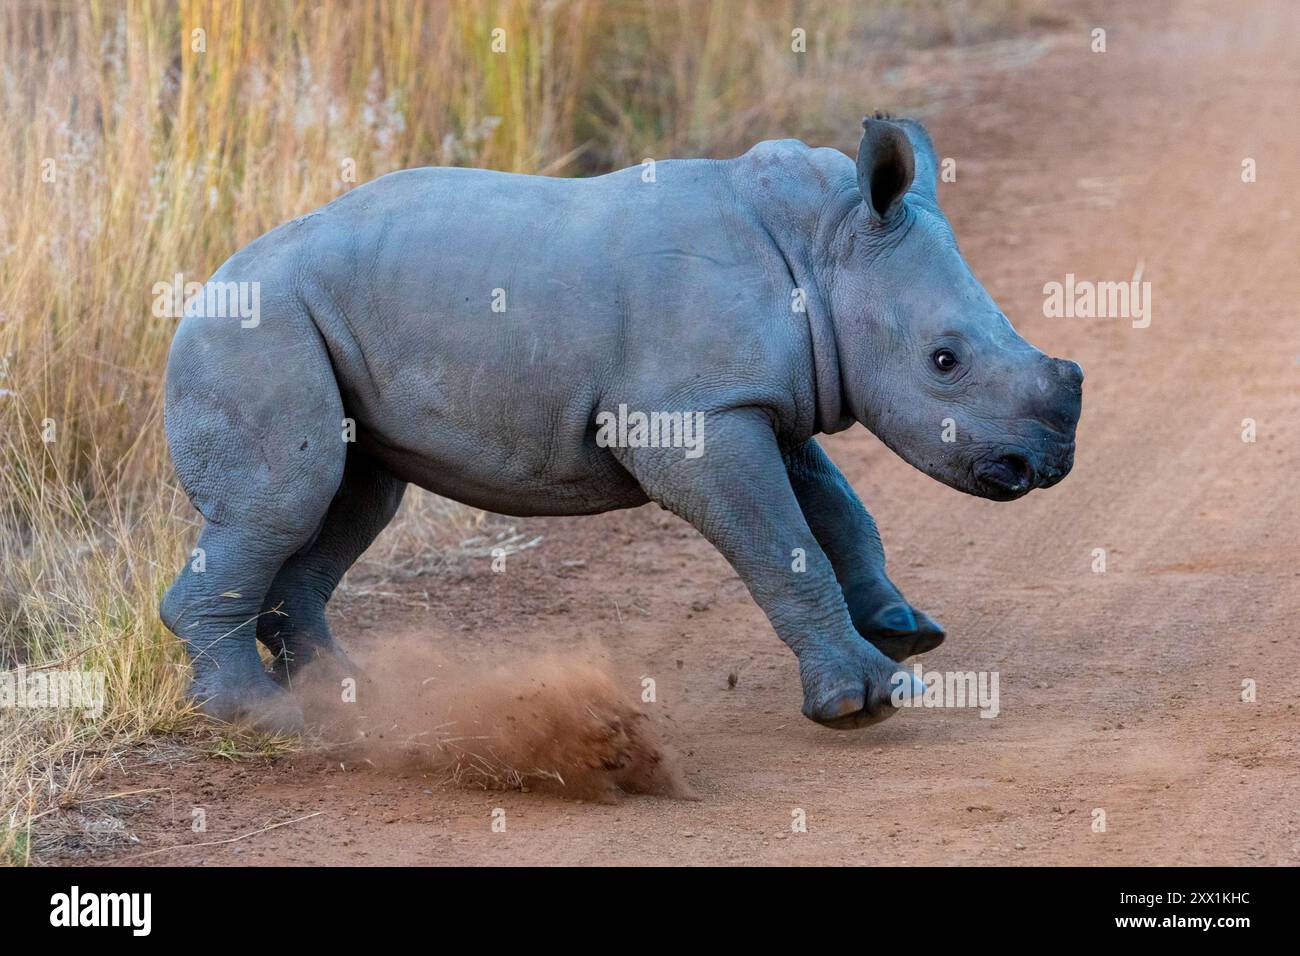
{"x": 1004, "y": 477}
{"x": 1055, "y": 466}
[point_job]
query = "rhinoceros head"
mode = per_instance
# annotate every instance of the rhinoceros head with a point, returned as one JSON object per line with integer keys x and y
{"x": 929, "y": 362}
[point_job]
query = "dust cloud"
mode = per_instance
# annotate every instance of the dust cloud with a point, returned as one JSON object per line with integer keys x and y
{"x": 558, "y": 723}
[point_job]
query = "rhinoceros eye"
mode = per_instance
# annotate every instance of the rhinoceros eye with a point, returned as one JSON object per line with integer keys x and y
{"x": 944, "y": 360}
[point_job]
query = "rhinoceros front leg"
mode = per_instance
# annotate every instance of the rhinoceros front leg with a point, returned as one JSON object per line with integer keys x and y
{"x": 737, "y": 494}
{"x": 847, "y": 533}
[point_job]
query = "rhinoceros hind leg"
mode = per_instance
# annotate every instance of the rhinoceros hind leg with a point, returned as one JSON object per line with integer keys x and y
{"x": 214, "y": 610}
{"x": 293, "y": 625}
{"x": 261, "y": 457}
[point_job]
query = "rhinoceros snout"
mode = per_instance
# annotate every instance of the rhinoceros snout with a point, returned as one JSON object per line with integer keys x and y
{"x": 1054, "y": 465}
{"x": 1012, "y": 475}
{"x": 1060, "y": 397}
{"x": 1070, "y": 373}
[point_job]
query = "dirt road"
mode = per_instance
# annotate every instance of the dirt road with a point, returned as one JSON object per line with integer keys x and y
{"x": 1119, "y": 691}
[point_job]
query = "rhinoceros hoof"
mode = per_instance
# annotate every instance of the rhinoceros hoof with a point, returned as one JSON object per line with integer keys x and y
{"x": 841, "y": 695}
{"x": 260, "y": 705}
{"x": 901, "y": 631}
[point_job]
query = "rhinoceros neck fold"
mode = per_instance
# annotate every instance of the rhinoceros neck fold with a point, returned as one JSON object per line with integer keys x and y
{"x": 828, "y": 379}
{"x": 801, "y": 196}
{"x": 807, "y": 254}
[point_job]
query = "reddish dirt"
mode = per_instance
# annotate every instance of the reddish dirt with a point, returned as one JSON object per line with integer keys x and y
{"x": 1119, "y": 690}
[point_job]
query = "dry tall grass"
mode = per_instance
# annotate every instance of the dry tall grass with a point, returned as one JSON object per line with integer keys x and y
{"x": 146, "y": 138}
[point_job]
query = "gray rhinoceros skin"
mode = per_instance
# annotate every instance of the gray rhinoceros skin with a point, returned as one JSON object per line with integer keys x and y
{"x": 475, "y": 332}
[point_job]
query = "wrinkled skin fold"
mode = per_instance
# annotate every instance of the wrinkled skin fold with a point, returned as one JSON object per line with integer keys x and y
{"x": 465, "y": 330}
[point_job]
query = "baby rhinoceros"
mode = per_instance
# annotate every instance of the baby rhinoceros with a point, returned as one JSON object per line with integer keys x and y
{"x": 536, "y": 346}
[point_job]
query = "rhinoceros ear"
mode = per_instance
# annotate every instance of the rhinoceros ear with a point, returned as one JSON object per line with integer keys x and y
{"x": 925, "y": 181}
{"x": 886, "y": 165}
